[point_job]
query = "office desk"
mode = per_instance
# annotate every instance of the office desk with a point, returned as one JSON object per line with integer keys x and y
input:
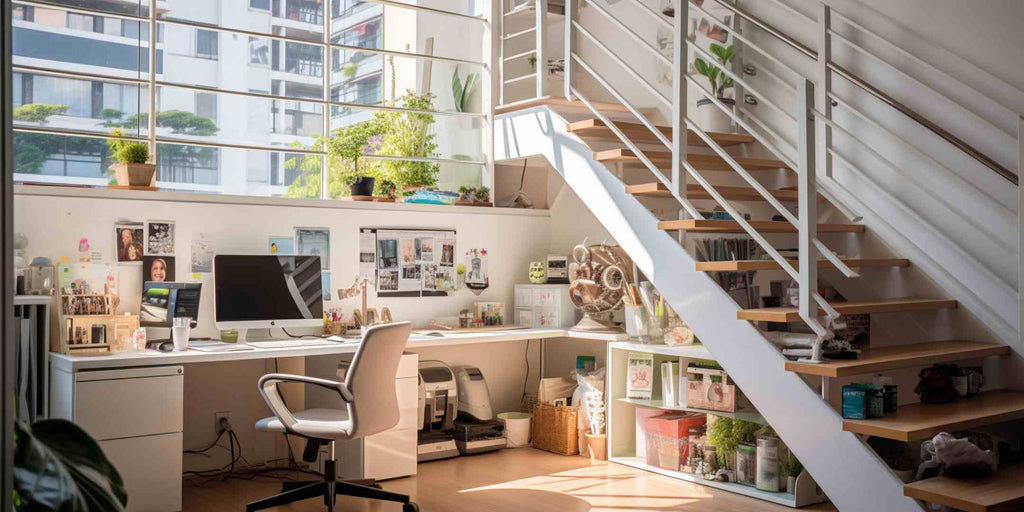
{"x": 133, "y": 403}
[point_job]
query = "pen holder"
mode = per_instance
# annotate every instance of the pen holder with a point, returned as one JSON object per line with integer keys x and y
{"x": 636, "y": 324}
{"x": 656, "y": 328}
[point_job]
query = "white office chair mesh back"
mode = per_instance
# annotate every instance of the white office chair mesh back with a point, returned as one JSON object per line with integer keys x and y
{"x": 371, "y": 379}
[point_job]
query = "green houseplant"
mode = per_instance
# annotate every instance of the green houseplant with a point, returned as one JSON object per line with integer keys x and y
{"x": 727, "y": 434}
{"x": 408, "y": 135}
{"x": 344, "y": 151}
{"x": 131, "y": 169}
{"x": 461, "y": 91}
{"x": 710, "y": 117}
{"x": 58, "y": 466}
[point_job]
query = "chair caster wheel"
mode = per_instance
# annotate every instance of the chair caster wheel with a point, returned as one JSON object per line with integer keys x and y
{"x": 410, "y": 507}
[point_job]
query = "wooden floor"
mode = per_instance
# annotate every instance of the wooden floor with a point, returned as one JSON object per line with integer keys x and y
{"x": 509, "y": 480}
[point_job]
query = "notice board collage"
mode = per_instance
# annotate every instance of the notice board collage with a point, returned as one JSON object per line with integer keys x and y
{"x": 408, "y": 263}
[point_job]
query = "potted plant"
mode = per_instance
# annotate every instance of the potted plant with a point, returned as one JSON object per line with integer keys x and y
{"x": 408, "y": 134}
{"x": 131, "y": 169}
{"x": 791, "y": 467}
{"x": 726, "y": 434}
{"x": 709, "y": 116}
{"x": 344, "y": 151}
{"x": 386, "y": 191}
{"x": 482, "y": 196}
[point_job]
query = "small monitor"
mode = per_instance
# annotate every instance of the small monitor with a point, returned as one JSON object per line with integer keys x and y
{"x": 259, "y": 292}
{"x": 162, "y": 302}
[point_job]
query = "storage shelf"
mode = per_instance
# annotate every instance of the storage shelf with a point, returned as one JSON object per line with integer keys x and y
{"x": 781, "y": 498}
{"x": 1003, "y": 491}
{"x": 922, "y": 421}
{"x": 695, "y": 351}
{"x": 750, "y": 416}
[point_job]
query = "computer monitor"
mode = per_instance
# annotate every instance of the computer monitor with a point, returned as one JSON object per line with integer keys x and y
{"x": 162, "y": 302}
{"x": 259, "y": 292}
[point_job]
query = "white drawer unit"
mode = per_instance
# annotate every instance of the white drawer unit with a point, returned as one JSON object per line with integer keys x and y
{"x": 544, "y": 306}
{"x": 388, "y": 454}
{"x": 135, "y": 415}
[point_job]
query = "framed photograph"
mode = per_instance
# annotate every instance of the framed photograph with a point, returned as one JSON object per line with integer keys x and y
{"x": 129, "y": 242}
{"x": 280, "y": 245}
{"x": 159, "y": 238}
{"x": 314, "y": 242}
{"x": 158, "y": 268}
{"x": 388, "y": 248}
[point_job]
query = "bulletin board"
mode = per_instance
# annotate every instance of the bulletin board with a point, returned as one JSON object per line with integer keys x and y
{"x": 408, "y": 262}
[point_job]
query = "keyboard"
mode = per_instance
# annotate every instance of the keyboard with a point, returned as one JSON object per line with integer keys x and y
{"x": 311, "y": 342}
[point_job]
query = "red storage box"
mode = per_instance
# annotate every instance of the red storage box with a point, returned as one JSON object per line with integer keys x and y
{"x": 667, "y": 438}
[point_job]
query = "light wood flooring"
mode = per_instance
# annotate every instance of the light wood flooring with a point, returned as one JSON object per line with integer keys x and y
{"x": 510, "y": 480}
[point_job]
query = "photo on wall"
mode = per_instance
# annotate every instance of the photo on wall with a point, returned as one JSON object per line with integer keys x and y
{"x": 280, "y": 245}
{"x": 388, "y": 253}
{"x": 159, "y": 238}
{"x": 314, "y": 242}
{"x": 129, "y": 242}
{"x": 158, "y": 268}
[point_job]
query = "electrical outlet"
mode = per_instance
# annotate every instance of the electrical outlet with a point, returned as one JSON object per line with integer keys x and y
{"x": 217, "y": 416}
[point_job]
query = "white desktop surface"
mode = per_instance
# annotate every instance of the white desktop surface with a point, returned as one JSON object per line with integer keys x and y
{"x": 154, "y": 358}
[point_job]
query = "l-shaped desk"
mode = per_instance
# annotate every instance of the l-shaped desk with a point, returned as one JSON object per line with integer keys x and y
{"x": 133, "y": 403}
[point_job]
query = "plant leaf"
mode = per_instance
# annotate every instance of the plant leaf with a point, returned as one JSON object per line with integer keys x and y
{"x": 457, "y": 90}
{"x": 57, "y": 466}
{"x": 468, "y": 90}
{"x": 702, "y": 67}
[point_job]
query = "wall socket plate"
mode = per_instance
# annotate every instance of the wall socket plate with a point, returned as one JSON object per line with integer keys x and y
{"x": 217, "y": 416}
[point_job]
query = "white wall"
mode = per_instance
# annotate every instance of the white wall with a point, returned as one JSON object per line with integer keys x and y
{"x": 54, "y": 226}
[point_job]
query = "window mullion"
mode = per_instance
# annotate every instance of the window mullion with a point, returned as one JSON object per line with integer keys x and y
{"x": 326, "y": 107}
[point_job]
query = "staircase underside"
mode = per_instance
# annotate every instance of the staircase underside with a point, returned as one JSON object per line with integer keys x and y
{"x": 809, "y": 425}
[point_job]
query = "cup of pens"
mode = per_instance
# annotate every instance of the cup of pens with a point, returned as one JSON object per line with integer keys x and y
{"x": 333, "y": 322}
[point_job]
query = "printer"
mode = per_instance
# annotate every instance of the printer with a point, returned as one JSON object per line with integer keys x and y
{"x": 476, "y": 430}
{"x": 439, "y": 402}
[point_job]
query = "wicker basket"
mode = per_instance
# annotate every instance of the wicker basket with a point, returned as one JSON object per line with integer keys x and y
{"x": 554, "y": 429}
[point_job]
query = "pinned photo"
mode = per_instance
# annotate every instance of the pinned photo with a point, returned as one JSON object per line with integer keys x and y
{"x": 159, "y": 238}
{"x": 158, "y": 269}
{"x": 129, "y": 242}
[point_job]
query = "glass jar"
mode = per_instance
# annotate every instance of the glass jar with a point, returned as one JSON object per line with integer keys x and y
{"x": 746, "y": 464}
{"x": 39, "y": 278}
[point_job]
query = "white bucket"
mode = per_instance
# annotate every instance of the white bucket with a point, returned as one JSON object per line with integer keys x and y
{"x": 517, "y": 428}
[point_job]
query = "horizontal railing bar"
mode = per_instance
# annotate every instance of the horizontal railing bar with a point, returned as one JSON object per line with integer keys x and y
{"x": 250, "y": 94}
{"x": 771, "y": 74}
{"x": 232, "y": 30}
{"x": 640, "y": 154}
{"x": 77, "y": 74}
{"x": 655, "y": 14}
{"x": 410, "y": 55}
{"x": 829, "y": 255}
{"x": 520, "y": 33}
{"x": 787, "y": 7}
{"x": 424, "y": 159}
{"x": 934, "y": 128}
{"x": 527, "y": 53}
{"x": 46, "y": 130}
{"x": 746, "y": 86}
{"x": 414, "y": 7}
{"x": 629, "y": 32}
{"x": 781, "y": 141}
{"x": 228, "y": 145}
{"x": 894, "y": 168}
{"x": 647, "y": 85}
{"x": 748, "y": 43}
{"x": 763, "y": 25}
{"x": 621, "y": 99}
{"x": 521, "y": 78}
{"x": 78, "y": 9}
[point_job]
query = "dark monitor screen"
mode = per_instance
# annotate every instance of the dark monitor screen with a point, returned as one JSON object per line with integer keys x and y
{"x": 163, "y": 301}
{"x": 268, "y": 291}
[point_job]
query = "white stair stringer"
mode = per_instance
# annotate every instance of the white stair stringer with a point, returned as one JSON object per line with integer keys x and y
{"x": 850, "y": 473}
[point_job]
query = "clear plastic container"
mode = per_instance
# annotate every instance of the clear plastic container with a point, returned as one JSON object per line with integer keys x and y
{"x": 746, "y": 464}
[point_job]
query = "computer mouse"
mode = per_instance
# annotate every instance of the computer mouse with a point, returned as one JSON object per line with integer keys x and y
{"x": 161, "y": 346}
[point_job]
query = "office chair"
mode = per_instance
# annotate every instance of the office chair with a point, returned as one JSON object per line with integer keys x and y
{"x": 371, "y": 406}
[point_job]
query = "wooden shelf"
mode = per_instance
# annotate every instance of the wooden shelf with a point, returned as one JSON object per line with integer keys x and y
{"x": 761, "y": 226}
{"x": 694, "y": 191}
{"x": 596, "y": 129}
{"x": 853, "y": 307}
{"x": 696, "y": 351}
{"x": 873, "y": 360}
{"x": 1003, "y": 492}
{"x": 751, "y": 265}
{"x": 922, "y": 421}
{"x": 751, "y": 416}
{"x": 698, "y": 161}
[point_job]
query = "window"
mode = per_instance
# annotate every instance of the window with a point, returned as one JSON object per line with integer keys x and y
{"x": 84, "y": 22}
{"x": 23, "y": 12}
{"x": 206, "y": 105}
{"x": 259, "y": 50}
{"x": 260, "y": 4}
{"x": 206, "y": 43}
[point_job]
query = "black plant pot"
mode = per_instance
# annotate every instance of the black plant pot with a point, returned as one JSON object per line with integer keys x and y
{"x": 362, "y": 187}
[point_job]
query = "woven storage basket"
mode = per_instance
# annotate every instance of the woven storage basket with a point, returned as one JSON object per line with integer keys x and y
{"x": 554, "y": 429}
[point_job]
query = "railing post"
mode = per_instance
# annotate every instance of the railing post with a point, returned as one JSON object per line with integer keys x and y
{"x": 570, "y": 46}
{"x": 1020, "y": 226}
{"x": 679, "y": 64}
{"x": 498, "y": 39}
{"x": 825, "y": 82}
{"x": 541, "y": 33}
{"x": 807, "y": 208}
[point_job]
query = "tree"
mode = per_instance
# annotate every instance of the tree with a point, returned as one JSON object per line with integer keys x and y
{"x": 38, "y": 112}
{"x": 180, "y": 123}
{"x": 32, "y": 150}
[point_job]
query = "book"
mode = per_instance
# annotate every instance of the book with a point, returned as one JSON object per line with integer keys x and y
{"x": 639, "y": 375}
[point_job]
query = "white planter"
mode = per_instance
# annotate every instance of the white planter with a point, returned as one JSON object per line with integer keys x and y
{"x": 710, "y": 118}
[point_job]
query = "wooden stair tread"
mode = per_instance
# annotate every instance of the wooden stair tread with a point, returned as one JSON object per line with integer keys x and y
{"x": 873, "y": 360}
{"x": 921, "y": 421}
{"x": 597, "y": 129}
{"x": 1003, "y": 492}
{"x": 561, "y": 103}
{"x": 695, "y": 191}
{"x": 853, "y": 307}
{"x": 749, "y": 265}
{"x": 762, "y": 226}
{"x": 699, "y": 161}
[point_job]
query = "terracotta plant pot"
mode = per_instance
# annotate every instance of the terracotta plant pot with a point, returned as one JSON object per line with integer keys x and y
{"x": 363, "y": 187}
{"x": 135, "y": 175}
{"x": 598, "y": 446}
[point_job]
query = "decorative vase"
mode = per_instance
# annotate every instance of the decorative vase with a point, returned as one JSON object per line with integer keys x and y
{"x": 713, "y": 119}
{"x": 135, "y": 175}
{"x": 598, "y": 446}
{"x": 538, "y": 272}
{"x": 363, "y": 187}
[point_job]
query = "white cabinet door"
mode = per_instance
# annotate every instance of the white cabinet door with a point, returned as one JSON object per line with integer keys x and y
{"x": 151, "y": 469}
{"x": 390, "y": 454}
{"x": 111, "y": 409}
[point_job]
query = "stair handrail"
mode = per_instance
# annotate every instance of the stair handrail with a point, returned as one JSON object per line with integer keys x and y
{"x": 831, "y": 66}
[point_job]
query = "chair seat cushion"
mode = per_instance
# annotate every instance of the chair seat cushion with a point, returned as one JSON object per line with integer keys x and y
{"x": 315, "y": 423}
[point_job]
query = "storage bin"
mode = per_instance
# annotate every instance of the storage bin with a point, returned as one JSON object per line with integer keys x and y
{"x": 554, "y": 429}
{"x": 674, "y": 441}
{"x": 710, "y": 388}
{"x": 652, "y": 440}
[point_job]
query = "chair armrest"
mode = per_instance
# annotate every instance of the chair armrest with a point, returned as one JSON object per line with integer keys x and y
{"x": 268, "y": 388}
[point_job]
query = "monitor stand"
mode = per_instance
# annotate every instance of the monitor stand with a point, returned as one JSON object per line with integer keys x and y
{"x": 255, "y": 334}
